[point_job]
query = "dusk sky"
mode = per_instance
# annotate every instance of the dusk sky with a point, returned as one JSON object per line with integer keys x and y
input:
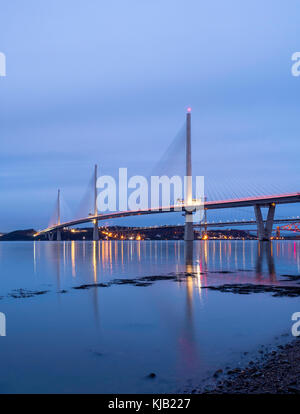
{"x": 109, "y": 83}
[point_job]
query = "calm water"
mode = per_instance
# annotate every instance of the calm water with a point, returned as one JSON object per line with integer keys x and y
{"x": 108, "y": 339}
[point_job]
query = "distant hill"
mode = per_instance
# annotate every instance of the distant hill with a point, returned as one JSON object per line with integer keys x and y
{"x": 18, "y": 235}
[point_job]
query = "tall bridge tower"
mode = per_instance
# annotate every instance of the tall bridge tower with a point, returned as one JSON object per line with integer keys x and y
{"x": 96, "y": 230}
{"x": 58, "y": 234}
{"x": 188, "y": 227}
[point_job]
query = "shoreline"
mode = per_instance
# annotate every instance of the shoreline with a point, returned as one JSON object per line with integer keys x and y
{"x": 277, "y": 372}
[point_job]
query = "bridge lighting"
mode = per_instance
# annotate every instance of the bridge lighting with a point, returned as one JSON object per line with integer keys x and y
{"x": 189, "y": 109}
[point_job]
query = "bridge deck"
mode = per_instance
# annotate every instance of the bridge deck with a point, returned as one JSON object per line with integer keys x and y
{"x": 209, "y": 205}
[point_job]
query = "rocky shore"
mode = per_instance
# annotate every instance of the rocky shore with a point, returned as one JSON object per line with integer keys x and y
{"x": 278, "y": 372}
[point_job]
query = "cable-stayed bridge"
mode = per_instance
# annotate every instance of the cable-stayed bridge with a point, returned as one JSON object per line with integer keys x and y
{"x": 189, "y": 205}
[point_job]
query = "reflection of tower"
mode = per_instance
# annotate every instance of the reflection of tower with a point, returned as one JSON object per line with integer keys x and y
{"x": 95, "y": 277}
{"x": 188, "y": 255}
{"x": 94, "y": 256}
{"x": 73, "y": 254}
{"x": 270, "y": 260}
{"x": 265, "y": 249}
{"x": 187, "y": 337}
{"x": 58, "y": 263}
{"x": 188, "y": 228}
{"x": 34, "y": 257}
{"x": 259, "y": 260}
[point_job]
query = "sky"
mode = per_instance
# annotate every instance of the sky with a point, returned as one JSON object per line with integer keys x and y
{"x": 109, "y": 83}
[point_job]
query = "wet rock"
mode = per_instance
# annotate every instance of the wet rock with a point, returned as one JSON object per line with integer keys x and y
{"x": 24, "y": 293}
{"x": 294, "y": 389}
{"x": 217, "y": 373}
{"x": 277, "y": 291}
{"x": 94, "y": 285}
{"x": 156, "y": 278}
{"x": 221, "y": 271}
{"x": 270, "y": 375}
{"x": 291, "y": 278}
{"x": 234, "y": 371}
{"x": 124, "y": 281}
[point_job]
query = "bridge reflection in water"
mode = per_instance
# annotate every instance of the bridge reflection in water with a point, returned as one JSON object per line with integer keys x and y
{"x": 193, "y": 266}
{"x": 91, "y": 262}
{"x": 201, "y": 263}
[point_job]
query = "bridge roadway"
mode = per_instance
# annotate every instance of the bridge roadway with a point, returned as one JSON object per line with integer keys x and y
{"x": 208, "y": 205}
{"x": 217, "y": 224}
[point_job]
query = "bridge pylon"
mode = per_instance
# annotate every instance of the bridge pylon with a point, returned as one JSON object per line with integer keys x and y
{"x": 96, "y": 229}
{"x": 188, "y": 226}
{"x": 58, "y": 233}
{"x": 264, "y": 230}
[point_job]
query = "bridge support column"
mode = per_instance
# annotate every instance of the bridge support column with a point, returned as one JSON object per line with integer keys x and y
{"x": 50, "y": 236}
{"x": 58, "y": 233}
{"x": 259, "y": 222}
{"x": 264, "y": 231}
{"x": 188, "y": 227}
{"x": 270, "y": 221}
{"x": 96, "y": 231}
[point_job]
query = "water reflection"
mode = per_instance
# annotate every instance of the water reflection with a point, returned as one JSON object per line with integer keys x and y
{"x": 265, "y": 249}
{"x": 188, "y": 340}
{"x": 73, "y": 253}
{"x": 95, "y": 261}
{"x": 91, "y": 261}
{"x": 94, "y": 292}
{"x": 170, "y": 322}
{"x": 204, "y": 263}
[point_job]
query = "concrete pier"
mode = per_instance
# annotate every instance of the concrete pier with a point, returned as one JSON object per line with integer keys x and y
{"x": 264, "y": 231}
